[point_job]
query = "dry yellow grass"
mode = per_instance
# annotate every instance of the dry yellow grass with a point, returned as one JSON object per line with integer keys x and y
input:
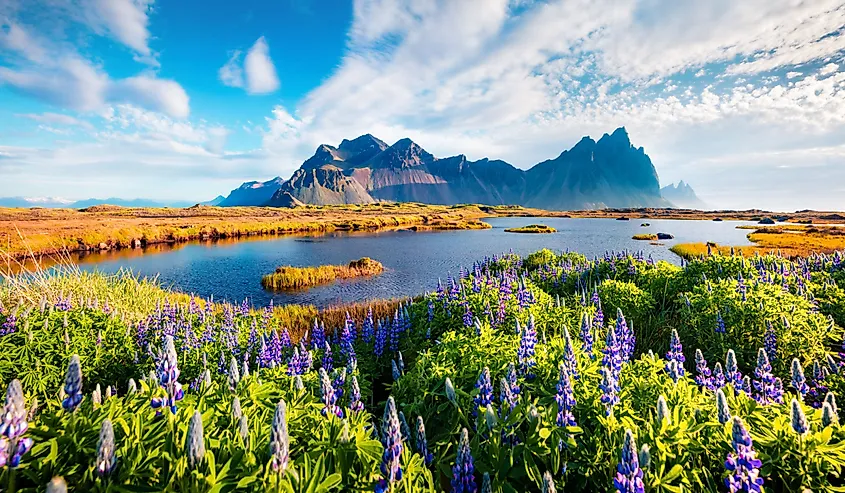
{"x": 789, "y": 240}
{"x": 289, "y": 277}
{"x": 645, "y": 236}
{"x": 532, "y": 228}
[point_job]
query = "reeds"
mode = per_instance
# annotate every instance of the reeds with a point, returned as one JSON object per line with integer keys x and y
{"x": 532, "y": 228}
{"x": 289, "y": 277}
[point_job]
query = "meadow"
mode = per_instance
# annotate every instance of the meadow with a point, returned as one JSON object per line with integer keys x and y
{"x": 552, "y": 372}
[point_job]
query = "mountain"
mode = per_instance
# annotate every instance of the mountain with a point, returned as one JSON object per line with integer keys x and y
{"x": 26, "y": 202}
{"x": 215, "y": 201}
{"x": 683, "y": 196}
{"x": 252, "y": 193}
{"x": 82, "y": 204}
{"x": 610, "y": 172}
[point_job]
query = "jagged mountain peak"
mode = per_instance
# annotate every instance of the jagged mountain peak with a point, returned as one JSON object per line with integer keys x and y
{"x": 362, "y": 142}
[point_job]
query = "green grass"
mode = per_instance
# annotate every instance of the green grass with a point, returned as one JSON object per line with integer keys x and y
{"x": 532, "y": 228}
{"x": 289, "y": 277}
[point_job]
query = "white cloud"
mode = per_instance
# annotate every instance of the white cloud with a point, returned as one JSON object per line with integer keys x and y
{"x": 257, "y": 75}
{"x": 67, "y": 80}
{"x": 124, "y": 20}
{"x": 58, "y": 119}
{"x": 828, "y": 69}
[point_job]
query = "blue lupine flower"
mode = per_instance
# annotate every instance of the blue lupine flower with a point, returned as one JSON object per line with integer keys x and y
{"x": 195, "y": 442}
{"x": 328, "y": 397}
{"x": 830, "y": 399}
{"x": 394, "y": 371}
{"x": 422, "y": 442}
{"x": 73, "y": 384}
{"x": 718, "y": 380}
{"x": 486, "y": 486}
{"x": 279, "y": 439}
{"x": 798, "y": 419}
{"x": 829, "y": 416}
{"x": 468, "y": 317}
{"x": 526, "y": 350}
{"x": 662, "y": 410}
{"x": 391, "y": 435}
{"x": 723, "y": 412}
{"x": 675, "y": 353}
{"x": 13, "y": 425}
{"x": 394, "y": 333}
{"x": 355, "y": 403}
{"x": 675, "y": 370}
{"x": 463, "y": 473}
{"x": 625, "y": 336}
{"x": 404, "y": 428}
{"x": 703, "y": 376}
{"x": 770, "y": 342}
{"x": 765, "y": 384}
{"x": 367, "y": 332}
{"x": 598, "y": 318}
{"x": 732, "y": 373}
{"x": 799, "y": 383}
{"x": 381, "y": 339}
{"x": 318, "y": 335}
{"x": 742, "y": 462}
{"x": 450, "y": 391}
{"x": 485, "y": 391}
{"x": 565, "y": 398}
{"x": 513, "y": 378}
{"x": 569, "y": 354}
{"x": 328, "y": 362}
{"x": 338, "y": 382}
{"x": 629, "y": 476}
{"x": 720, "y": 324}
{"x": 168, "y": 375}
{"x": 586, "y": 336}
{"x": 610, "y": 388}
{"x": 106, "y": 460}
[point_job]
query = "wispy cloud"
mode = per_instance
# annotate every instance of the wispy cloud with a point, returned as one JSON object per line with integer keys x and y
{"x": 257, "y": 75}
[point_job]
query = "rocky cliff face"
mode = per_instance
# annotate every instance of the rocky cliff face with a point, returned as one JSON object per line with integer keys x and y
{"x": 609, "y": 172}
{"x": 252, "y": 193}
{"x": 682, "y": 195}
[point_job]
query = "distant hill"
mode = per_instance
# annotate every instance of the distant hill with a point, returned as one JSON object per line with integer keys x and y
{"x": 215, "y": 201}
{"x": 593, "y": 174}
{"x": 682, "y": 195}
{"x": 54, "y": 203}
{"x": 252, "y": 193}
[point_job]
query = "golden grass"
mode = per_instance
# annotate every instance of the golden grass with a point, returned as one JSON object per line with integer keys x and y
{"x": 50, "y": 231}
{"x": 645, "y": 236}
{"x": 532, "y": 228}
{"x": 789, "y": 240}
{"x": 289, "y": 277}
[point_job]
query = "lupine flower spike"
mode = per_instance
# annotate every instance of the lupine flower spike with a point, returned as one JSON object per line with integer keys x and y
{"x": 463, "y": 473}
{"x": 422, "y": 442}
{"x": 73, "y": 384}
{"x": 279, "y": 439}
{"x": 391, "y": 469}
{"x": 195, "y": 442}
{"x": 742, "y": 462}
{"x": 723, "y": 412}
{"x": 105, "y": 450}
{"x": 13, "y": 425}
{"x": 798, "y": 418}
{"x": 629, "y": 476}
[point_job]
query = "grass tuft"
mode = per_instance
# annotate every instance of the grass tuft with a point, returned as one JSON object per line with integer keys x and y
{"x": 289, "y": 277}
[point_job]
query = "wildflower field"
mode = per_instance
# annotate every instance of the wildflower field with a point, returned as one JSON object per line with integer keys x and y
{"x": 552, "y": 372}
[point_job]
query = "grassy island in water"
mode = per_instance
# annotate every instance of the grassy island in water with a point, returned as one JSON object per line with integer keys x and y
{"x": 289, "y": 277}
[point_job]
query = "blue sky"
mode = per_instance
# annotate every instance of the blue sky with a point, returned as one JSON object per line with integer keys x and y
{"x": 186, "y": 99}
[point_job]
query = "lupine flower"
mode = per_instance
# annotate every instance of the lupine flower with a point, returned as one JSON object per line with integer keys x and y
{"x": 675, "y": 370}
{"x": 13, "y": 424}
{"x": 832, "y": 365}
{"x": 485, "y": 391}
{"x": 629, "y": 476}
{"x": 742, "y": 463}
{"x": 105, "y": 450}
{"x": 799, "y": 383}
{"x": 569, "y": 354}
{"x": 132, "y": 387}
{"x": 422, "y": 442}
{"x": 798, "y": 419}
{"x": 746, "y": 385}
{"x": 676, "y": 353}
{"x": 327, "y": 357}
{"x": 355, "y": 403}
{"x": 770, "y": 342}
{"x": 73, "y": 384}
{"x": 829, "y": 416}
{"x": 394, "y": 370}
{"x": 720, "y": 324}
{"x": 237, "y": 411}
{"x": 391, "y": 469}
{"x": 404, "y": 428}
{"x": 662, "y": 411}
{"x": 243, "y": 427}
{"x": 486, "y": 486}
{"x": 463, "y": 473}
{"x": 400, "y": 362}
{"x": 765, "y": 383}
{"x": 512, "y": 379}
{"x": 586, "y": 336}
{"x": 525, "y": 352}
{"x": 279, "y": 439}
{"x": 328, "y": 396}
{"x": 565, "y": 398}
{"x": 625, "y": 336}
{"x": 234, "y": 376}
{"x": 732, "y": 373}
{"x": 297, "y": 383}
{"x": 703, "y": 376}
{"x": 609, "y": 388}
{"x": 830, "y": 399}
{"x": 195, "y": 442}
{"x": 723, "y": 412}
{"x": 450, "y": 391}
{"x": 168, "y": 375}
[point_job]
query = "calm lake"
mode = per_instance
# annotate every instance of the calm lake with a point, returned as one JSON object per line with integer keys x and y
{"x": 414, "y": 261}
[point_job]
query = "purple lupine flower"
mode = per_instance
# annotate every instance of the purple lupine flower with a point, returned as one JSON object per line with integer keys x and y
{"x": 770, "y": 342}
{"x": 485, "y": 391}
{"x": 391, "y": 437}
{"x": 168, "y": 375}
{"x": 798, "y": 419}
{"x": 703, "y": 376}
{"x": 368, "y": 330}
{"x": 284, "y": 338}
{"x": 355, "y": 403}
{"x": 327, "y": 357}
{"x": 718, "y": 380}
{"x": 799, "y": 382}
{"x": 629, "y": 476}
{"x": 422, "y": 443}
{"x": 463, "y": 473}
{"x": 586, "y": 336}
{"x": 106, "y": 460}
{"x": 394, "y": 333}
{"x": 327, "y": 395}
{"x": 13, "y": 425}
{"x": 338, "y": 382}
{"x": 675, "y": 370}
{"x": 625, "y": 337}
{"x": 742, "y": 462}
{"x": 598, "y": 318}
{"x": 525, "y": 352}
{"x": 294, "y": 363}
{"x": 279, "y": 439}
{"x": 73, "y": 384}
{"x": 569, "y": 355}
{"x": 565, "y": 398}
{"x": 610, "y": 388}
{"x": 723, "y": 412}
{"x": 430, "y": 310}
{"x": 318, "y": 335}
{"x": 732, "y": 374}
{"x": 468, "y": 317}
{"x": 720, "y": 324}
{"x": 9, "y": 325}
{"x": 765, "y": 384}
{"x": 513, "y": 379}
{"x": 381, "y": 339}
{"x": 675, "y": 353}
